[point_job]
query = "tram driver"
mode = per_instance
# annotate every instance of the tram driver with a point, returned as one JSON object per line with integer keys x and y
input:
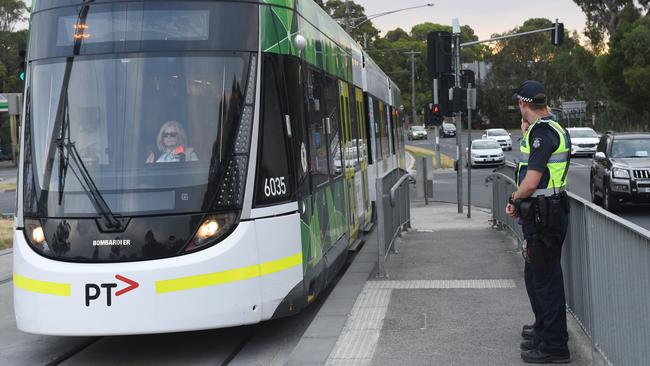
{"x": 171, "y": 142}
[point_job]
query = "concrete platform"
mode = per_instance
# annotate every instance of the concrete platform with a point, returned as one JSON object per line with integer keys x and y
{"x": 454, "y": 294}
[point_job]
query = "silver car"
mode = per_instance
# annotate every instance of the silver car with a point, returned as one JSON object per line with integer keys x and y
{"x": 487, "y": 152}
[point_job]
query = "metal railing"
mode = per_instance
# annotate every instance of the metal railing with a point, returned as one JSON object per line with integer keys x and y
{"x": 393, "y": 211}
{"x": 502, "y": 189}
{"x": 606, "y": 264}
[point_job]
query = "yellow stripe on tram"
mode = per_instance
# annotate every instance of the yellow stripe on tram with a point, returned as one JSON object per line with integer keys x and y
{"x": 41, "y": 287}
{"x": 229, "y": 276}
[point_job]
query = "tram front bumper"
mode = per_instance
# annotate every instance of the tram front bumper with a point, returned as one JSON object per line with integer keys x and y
{"x": 232, "y": 283}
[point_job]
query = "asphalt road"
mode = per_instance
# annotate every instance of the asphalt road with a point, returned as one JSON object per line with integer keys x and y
{"x": 445, "y": 180}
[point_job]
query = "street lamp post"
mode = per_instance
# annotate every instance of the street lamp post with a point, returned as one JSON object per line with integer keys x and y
{"x": 350, "y": 23}
{"x": 412, "y": 54}
{"x": 375, "y": 16}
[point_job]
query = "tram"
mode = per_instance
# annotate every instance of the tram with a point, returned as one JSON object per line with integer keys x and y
{"x": 192, "y": 165}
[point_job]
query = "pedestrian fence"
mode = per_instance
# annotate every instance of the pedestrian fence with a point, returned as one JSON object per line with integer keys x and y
{"x": 606, "y": 265}
{"x": 393, "y": 211}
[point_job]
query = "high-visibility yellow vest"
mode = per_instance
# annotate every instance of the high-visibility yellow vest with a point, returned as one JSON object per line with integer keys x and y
{"x": 557, "y": 165}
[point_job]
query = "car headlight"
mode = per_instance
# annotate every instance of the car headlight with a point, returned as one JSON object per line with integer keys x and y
{"x": 620, "y": 173}
{"x": 213, "y": 228}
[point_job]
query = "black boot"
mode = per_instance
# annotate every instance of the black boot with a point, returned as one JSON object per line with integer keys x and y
{"x": 528, "y": 334}
{"x": 538, "y": 356}
{"x": 528, "y": 345}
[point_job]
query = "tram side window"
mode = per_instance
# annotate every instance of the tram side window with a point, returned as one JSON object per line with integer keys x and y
{"x": 273, "y": 175}
{"x": 383, "y": 128}
{"x": 393, "y": 122}
{"x": 319, "y": 165}
{"x": 334, "y": 127}
{"x": 376, "y": 107}
{"x": 354, "y": 131}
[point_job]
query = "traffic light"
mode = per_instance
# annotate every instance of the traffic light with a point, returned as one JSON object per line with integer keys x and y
{"x": 436, "y": 117}
{"x": 22, "y": 54}
{"x": 467, "y": 77}
{"x": 446, "y": 82}
{"x": 557, "y": 34}
{"x": 439, "y": 53}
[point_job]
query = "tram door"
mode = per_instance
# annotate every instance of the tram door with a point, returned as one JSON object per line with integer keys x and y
{"x": 349, "y": 160}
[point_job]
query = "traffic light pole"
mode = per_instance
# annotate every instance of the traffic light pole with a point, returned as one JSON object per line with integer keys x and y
{"x": 556, "y": 26}
{"x": 459, "y": 126}
{"x": 469, "y": 151}
{"x": 436, "y": 101}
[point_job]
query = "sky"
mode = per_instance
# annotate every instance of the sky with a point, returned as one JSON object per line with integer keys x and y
{"x": 486, "y": 17}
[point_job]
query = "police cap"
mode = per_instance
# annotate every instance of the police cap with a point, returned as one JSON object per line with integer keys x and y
{"x": 532, "y": 92}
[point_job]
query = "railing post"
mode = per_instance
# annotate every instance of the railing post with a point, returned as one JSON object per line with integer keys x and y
{"x": 424, "y": 180}
{"x": 591, "y": 301}
{"x": 379, "y": 205}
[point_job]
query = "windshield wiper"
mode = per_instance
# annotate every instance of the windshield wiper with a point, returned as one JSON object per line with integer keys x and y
{"x": 68, "y": 152}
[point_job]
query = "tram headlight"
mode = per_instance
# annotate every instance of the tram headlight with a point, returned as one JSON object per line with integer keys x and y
{"x": 212, "y": 229}
{"x": 35, "y": 235}
{"x": 38, "y": 236}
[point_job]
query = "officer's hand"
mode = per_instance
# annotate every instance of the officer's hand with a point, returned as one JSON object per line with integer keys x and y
{"x": 511, "y": 211}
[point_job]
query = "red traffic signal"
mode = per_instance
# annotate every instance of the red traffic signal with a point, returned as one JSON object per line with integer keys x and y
{"x": 436, "y": 109}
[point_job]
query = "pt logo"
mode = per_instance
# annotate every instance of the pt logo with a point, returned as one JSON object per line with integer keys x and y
{"x": 94, "y": 291}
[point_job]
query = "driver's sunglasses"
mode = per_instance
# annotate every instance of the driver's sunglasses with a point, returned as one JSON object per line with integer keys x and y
{"x": 170, "y": 134}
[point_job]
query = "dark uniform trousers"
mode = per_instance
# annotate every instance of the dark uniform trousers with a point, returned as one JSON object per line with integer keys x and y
{"x": 546, "y": 289}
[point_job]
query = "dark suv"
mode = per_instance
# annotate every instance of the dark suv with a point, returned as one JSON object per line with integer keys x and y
{"x": 620, "y": 171}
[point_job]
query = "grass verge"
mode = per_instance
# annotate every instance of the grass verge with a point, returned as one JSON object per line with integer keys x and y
{"x": 6, "y": 233}
{"x": 8, "y": 186}
{"x": 445, "y": 161}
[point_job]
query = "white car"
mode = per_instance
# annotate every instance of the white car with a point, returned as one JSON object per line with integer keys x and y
{"x": 487, "y": 152}
{"x": 501, "y": 136}
{"x": 584, "y": 140}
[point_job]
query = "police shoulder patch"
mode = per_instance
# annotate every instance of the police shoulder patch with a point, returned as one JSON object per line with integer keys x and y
{"x": 537, "y": 142}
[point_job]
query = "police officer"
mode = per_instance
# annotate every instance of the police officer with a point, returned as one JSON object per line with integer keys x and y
{"x": 541, "y": 204}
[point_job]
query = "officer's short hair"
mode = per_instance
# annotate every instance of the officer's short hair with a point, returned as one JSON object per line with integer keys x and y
{"x": 538, "y": 106}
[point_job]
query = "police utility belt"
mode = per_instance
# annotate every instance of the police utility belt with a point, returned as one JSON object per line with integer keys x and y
{"x": 544, "y": 208}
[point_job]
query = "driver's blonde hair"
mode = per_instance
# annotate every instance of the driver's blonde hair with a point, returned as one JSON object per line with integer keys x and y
{"x": 181, "y": 136}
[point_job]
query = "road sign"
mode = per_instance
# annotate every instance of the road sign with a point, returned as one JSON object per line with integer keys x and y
{"x": 4, "y": 104}
{"x": 575, "y": 109}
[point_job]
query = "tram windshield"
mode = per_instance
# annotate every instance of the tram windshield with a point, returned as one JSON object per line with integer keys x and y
{"x": 153, "y": 129}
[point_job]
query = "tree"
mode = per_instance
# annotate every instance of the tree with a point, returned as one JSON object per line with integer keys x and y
{"x": 11, "y": 12}
{"x": 567, "y": 71}
{"x": 603, "y": 16}
{"x": 10, "y": 44}
{"x": 360, "y": 28}
{"x": 397, "y": 35}
{"x": 625, "y": 71}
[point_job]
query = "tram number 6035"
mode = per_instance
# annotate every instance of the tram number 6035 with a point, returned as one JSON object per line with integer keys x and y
{"x": 274, "y": 187}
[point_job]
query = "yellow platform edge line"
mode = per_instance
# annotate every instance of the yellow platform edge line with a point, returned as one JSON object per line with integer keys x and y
{"x": 229, "y": 276}
{"x": 41, "y": 287}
